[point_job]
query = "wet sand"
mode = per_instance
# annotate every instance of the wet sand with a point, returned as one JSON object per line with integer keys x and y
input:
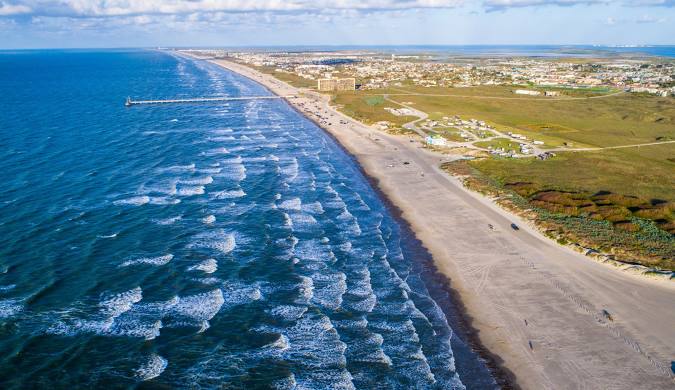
{"x": 536, "y": 305}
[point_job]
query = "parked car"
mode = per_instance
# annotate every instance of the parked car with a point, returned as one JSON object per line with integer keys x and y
{"x": 514, "y": 226}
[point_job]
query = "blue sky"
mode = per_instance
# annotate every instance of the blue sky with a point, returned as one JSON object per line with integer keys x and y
{"x": 127, "y": 23}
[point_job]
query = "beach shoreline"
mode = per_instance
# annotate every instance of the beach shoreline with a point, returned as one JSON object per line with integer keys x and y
{"x": 534, "y": 305}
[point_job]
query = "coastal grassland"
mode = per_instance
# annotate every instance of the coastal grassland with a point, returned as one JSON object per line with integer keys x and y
{"x": 504, "y": 143}
{"x": 611, "y": 121}
{"x": 449, "y": 133}
{"x": 628, "y": 228}
{"x": 618, "y": 201}
{"x": 368, "y": 108}
{"x": 647, "y": 172}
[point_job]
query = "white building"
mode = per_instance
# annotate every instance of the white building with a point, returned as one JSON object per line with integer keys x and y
{"x": 435, "y": 141}
{"x": 526, "y": 92}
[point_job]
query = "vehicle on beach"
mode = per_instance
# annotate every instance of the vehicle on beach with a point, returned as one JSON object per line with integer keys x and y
{"x": 514, "y": 227}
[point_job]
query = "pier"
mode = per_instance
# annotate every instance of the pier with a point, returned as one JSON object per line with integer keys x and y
{"x": 130, "y": 102}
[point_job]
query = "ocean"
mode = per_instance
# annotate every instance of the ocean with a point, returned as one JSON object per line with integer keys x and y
{"x": 211, "y": 245}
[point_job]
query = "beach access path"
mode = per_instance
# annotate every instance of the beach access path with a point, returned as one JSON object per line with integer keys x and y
{"x": 540, "y": 307}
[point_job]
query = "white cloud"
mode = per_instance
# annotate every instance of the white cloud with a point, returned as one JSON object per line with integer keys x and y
{"x": 106, "y": 8}
{"x": 496, "y": 5}
{"x": 493, "y": 5}
{"x": 7, "y": 9}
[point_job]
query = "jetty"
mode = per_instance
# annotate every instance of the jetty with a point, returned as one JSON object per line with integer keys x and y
{"x": 129, "y": 102}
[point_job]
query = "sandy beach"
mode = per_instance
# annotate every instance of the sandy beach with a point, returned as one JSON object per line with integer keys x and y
{"x": 539, "y": 307}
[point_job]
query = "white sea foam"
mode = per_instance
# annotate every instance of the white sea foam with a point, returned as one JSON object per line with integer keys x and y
{"x": 234, "y": 209}
{"x": 130, "y": 327}
{"x": 329, "y": 289}
{"x": 168, "y": 221}
{"x": 10, "y": 307}
{"x": 303, "y": 222}
{"x": 288, "y": 312}
{"x": 116, "y": 317}
{"x": 160, "y": 260}
{"x": 291, "y": 204}
{"x": 133, "y": 201}
{"x": 163, "y": 187}
{"x": 116, "y": 304}
{"x": 234, "y": 171}
{"x": 107, "y": 236}
{"x": 315, "y": 344}
{"x": 239, "y": 293}
{"x": 219, "y": 240}
{"x": 144, "y": 199}
{"x": 290, "y": 170}
{"x": 197, "y": 181}
{"x": 287, "y": 220}
{"x": 163, "y": 200}
{"x": 305, "y": 289}
{"x": 207, "y": 266}
{"x": 178, "y": 168}
{"x": 212, "y": 170}
{"x": 221, "y": 138}
{"x": 345, "y": 216}
{"x": 229, "y": 194}
{"x": 200, "y": 307}
{"x": 255, "y": 159}
{"x": 280, "y": 344}
{"x": 233, "y": 160}
{"x": 346, "y": 246}
{"x": 216, "y": 151}
{"x": 190, "y": 190}
{"x": 314, "y": 251}
{"x": 209, "y": 219}
{"x": 238, "y": 149}
{"x": 313, "y": 208}
{"x": 152, "y": 368}
{"x": 209, "y": 281}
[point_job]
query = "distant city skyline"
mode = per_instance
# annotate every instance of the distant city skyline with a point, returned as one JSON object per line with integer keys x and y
{"x": 116, "y": 23}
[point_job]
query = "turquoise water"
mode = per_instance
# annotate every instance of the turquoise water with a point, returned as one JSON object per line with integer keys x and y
{"x": 214, "y": 245}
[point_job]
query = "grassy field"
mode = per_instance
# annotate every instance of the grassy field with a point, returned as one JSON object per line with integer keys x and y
{"x": 368, "y": 108}
{"x": 449, "y": 133}
{"x": 646, "y": 172}
{"x": 504, "y": 143}
{"x": 616, "y": 120}
{"x": 633, "y": 229}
